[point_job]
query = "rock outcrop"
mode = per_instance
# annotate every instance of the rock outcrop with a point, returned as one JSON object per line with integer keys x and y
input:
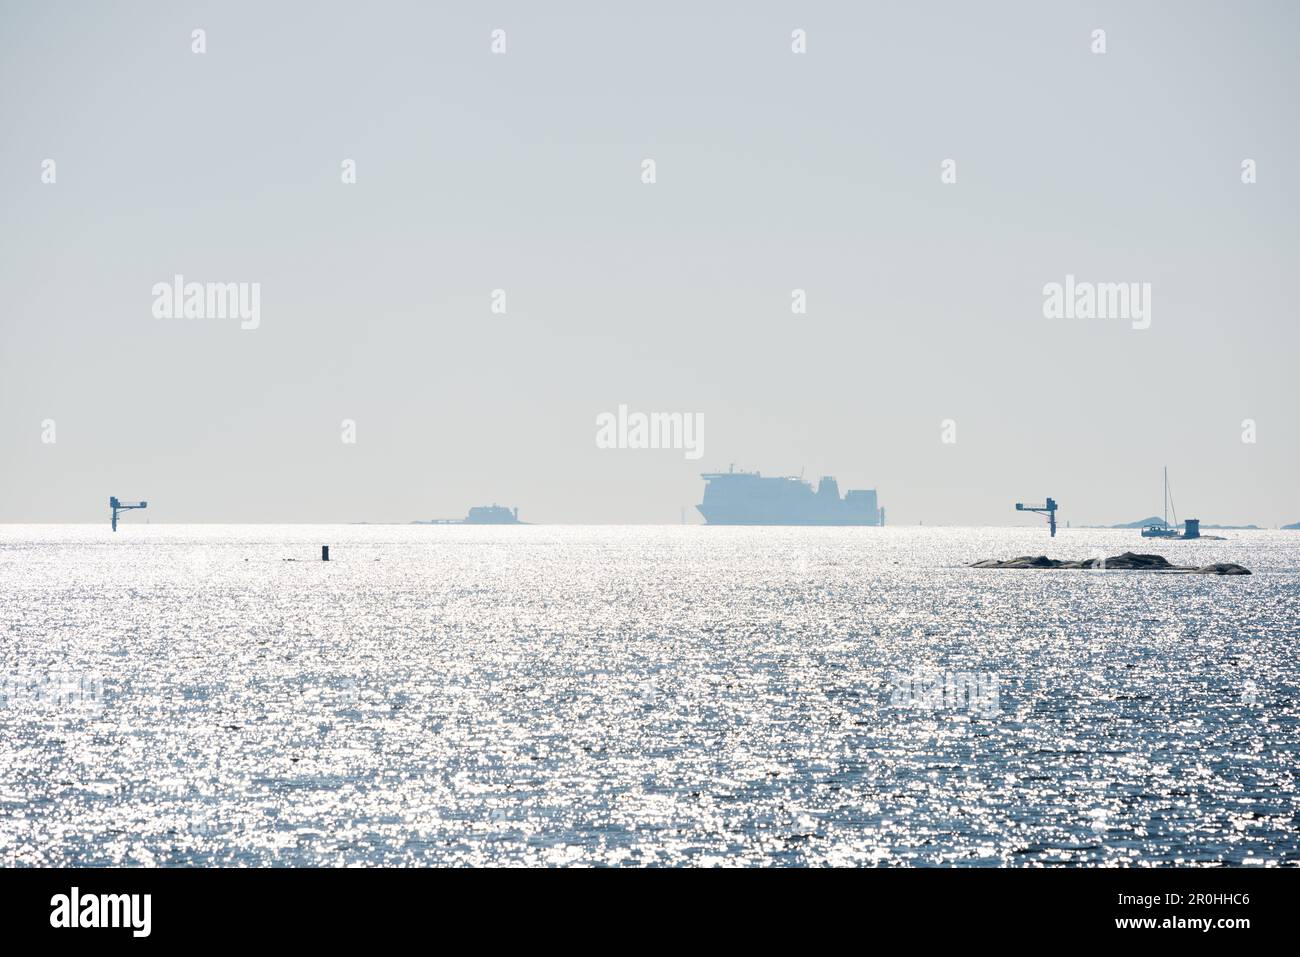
{"x": 1128, "y": 561}
{"x": 1221, "y": 568}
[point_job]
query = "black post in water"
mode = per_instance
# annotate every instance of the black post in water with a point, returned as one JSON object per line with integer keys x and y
{"x": 324, "y": 553}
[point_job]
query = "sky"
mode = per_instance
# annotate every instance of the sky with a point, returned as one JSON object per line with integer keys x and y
{"x": 925, "y": 364}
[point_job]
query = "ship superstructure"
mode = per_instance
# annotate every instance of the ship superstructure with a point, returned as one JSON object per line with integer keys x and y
{"x": 481, "y": 515}
{"x": 749, "y": 498}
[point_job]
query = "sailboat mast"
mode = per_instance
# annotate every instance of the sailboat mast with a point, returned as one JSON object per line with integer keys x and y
{"x": 1166, "y": 496}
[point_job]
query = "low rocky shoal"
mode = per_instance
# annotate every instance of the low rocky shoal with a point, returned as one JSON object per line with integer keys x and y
{"x": 1127, "y": 561}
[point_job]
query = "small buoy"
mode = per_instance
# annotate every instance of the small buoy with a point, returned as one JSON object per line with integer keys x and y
{"x": 324, "y": 553}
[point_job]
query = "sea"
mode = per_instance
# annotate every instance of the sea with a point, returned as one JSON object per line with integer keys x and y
{"x": 179, "y": 695}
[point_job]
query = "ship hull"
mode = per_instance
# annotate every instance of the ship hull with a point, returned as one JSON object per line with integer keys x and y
{"x": 716, "y": 516}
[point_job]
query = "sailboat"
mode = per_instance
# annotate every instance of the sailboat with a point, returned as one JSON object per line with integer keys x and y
{"x": 1166, "y": 530}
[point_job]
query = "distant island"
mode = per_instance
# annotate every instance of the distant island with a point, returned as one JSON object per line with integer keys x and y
{"x": 1140, "y": 523}
{"x": 1160, "y": 522}
{"x": 1292, "y": 527}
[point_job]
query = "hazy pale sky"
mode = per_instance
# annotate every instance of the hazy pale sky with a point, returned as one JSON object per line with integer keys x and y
{"x": 522, "y": 171}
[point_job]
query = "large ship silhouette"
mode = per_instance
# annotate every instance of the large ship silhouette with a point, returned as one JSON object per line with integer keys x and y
{"x": 480, "y": 515}
{"x": 748, "y": 498}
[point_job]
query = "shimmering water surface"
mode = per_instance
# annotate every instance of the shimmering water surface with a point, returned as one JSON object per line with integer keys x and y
{"x": 457, "y": 695}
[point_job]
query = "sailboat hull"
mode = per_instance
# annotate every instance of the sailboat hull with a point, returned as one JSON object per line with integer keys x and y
{"x": 1160, "y": 533}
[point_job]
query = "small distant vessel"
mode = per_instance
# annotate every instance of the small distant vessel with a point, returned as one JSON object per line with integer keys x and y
{"x": 1166, "y": 530}
{"x": 748, "y": 498}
